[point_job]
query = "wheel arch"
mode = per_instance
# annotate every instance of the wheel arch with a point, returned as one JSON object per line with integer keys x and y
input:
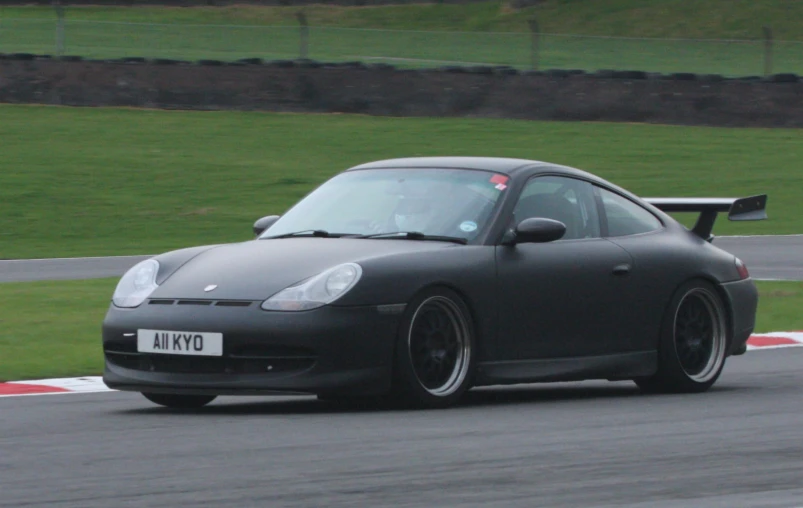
{"x": 672, "y": 376}
{"x": 727, "y": 304}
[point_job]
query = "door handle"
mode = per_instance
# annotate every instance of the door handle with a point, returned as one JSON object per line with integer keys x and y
{"x": 622, "y": 269}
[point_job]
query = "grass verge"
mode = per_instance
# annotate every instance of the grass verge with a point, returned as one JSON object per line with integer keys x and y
{"x": 52, "y": 329}
{"x": 98, "y": 181}
{"x": 779, "y": 306}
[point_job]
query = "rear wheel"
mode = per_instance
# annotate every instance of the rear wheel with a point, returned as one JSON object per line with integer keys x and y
{"x": 694, "y": 342}
{"x": 435, "y": 350}
{"x": 179, "y": 401}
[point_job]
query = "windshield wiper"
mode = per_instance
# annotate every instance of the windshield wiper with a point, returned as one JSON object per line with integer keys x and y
{"x": 416, "y": 235}
{"x": 307, "y": 232}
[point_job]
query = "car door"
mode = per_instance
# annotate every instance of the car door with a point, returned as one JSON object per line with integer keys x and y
{"x": 654, "y": 275}
{"x": 568, "y": 297}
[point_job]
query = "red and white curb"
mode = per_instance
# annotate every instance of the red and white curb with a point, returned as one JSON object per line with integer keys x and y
{"x": 89, "y": 384}
{"x": 94, "y": 384}
{"x": 774, "y": 340}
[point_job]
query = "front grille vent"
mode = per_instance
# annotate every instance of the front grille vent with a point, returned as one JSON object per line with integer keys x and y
{"x": 233, "y": 303}
{"x": 216, "y": 303}
{"x": 161, "y": 302}
{"x": 194, "y": 302}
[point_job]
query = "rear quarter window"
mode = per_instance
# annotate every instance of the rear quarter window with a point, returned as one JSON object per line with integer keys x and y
{"x": 626, "y": 217}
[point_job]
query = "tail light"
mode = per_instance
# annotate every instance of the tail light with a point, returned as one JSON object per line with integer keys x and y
{"x": 742, "y": 269}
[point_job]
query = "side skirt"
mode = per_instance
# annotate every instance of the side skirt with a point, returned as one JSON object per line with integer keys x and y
{"x": 611, "y": 367}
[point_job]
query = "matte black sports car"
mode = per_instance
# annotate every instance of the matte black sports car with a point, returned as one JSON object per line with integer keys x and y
{"x": 416, "y": 279}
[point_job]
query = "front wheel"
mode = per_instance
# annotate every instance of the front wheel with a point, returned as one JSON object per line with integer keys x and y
{"x": 179, "y": 401}
{"x": 435, "y": 350}
{"x": 694, "y": 342}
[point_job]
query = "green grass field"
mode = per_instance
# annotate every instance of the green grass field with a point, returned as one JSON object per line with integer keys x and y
{"x": 104, "y": 181}
{"x": 723, "y": 19}
{"x": 52, "y": 329}
{"x": 488, "y": 32}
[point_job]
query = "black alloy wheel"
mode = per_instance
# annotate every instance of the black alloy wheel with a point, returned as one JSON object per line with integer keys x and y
{"x": 438, "y": 346}
{"x": 699, "y": 335}
{"x": 435, "y": 350}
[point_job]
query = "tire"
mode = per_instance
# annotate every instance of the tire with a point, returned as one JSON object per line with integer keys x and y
{"x": 694, "y": 341}
{"x": 435, "y": 351}
{"x": 179, "y": 401}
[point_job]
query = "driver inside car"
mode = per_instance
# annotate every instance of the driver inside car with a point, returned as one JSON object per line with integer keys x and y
{"x": 413, "y": 213}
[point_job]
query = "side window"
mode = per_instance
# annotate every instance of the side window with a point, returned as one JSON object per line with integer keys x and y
{"x": 565, "y": 199}
{"x": 626, "y": 217}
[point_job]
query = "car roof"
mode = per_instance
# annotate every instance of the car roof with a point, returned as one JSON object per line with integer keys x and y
{"x": 498, "y": 164}
{"x": 508, "y": 166}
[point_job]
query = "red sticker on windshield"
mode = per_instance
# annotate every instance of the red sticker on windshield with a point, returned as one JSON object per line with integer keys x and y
{"x": 499, "y": 179}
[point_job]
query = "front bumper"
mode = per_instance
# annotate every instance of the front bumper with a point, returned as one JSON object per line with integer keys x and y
{"x": 743, "y": 298}
{"x": 326, "y": 350}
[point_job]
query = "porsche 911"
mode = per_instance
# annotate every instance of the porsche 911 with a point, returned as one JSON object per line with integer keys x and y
{"x": 416, "y": 279}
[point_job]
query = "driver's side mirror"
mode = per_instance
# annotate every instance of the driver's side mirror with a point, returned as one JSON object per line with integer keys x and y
{"x": 264, "y": 223}
{"x": 536, "y": 230}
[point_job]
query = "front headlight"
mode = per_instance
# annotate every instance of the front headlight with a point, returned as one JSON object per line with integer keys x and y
{"x": 317, "y": 291}
{"x": 137, "y": 284}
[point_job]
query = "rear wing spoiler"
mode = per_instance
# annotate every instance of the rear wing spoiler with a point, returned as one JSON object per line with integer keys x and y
{"x": 749, "y": 208}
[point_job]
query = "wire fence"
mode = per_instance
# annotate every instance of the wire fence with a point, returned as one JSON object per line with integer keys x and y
{"x": 524, "y": 50}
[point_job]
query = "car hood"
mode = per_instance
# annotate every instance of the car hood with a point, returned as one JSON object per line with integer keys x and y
{"x": 257, "y": 269}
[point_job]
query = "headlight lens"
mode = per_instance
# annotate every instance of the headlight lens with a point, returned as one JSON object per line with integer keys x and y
{"x": 317, "y": 291}
{"x": 137, "y": 284}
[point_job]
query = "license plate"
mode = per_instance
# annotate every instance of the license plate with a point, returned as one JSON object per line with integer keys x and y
{"x": 180, "y": 343}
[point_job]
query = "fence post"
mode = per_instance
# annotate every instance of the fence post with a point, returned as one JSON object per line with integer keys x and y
{"x": 59, "y": 27}
{"x": 534, "y": 43}
{"x": 767, "y": 51}
{"x": 304, "y": 33}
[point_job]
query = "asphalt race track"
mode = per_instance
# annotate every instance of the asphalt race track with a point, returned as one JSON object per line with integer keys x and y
{"x": 22, "y": 270}
{"x": 767, "y": 257}
{"x": 584, "y": 444}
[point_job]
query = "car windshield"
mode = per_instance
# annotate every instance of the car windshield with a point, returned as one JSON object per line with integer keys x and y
{"x": 435, "y": 202}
